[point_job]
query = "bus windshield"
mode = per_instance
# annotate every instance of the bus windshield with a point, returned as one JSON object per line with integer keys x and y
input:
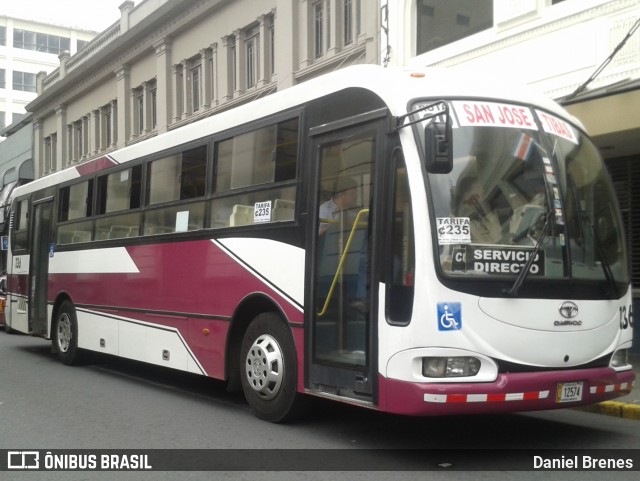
{"x": 525, "y": 183}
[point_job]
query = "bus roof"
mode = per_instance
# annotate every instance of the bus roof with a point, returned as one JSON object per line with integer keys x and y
{"x": 396, "y": 86}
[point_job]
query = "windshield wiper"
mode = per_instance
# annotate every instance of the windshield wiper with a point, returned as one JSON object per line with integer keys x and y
{"x": 515, "y": 288}
{"x": 606, "y": 267}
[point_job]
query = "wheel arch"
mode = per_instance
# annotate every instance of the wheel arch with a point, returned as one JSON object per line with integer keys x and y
{"x": 246, "y": 311}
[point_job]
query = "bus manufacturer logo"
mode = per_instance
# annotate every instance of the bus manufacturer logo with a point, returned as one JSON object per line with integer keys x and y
{"x": 567, "y": 323}
{"x": 568, "y": 310}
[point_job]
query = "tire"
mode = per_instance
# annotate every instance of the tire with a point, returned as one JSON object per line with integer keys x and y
{"x": 65, "y": 335}
{"x": 268, "y": 369}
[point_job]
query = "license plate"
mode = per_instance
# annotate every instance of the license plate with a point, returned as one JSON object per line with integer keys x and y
{"x": 569, "y": 392}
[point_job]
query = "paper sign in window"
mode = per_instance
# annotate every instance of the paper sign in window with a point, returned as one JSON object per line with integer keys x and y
{"x": 182, "y": 221}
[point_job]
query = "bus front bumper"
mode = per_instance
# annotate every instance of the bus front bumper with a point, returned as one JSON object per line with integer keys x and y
{"x": 510, "y": 392}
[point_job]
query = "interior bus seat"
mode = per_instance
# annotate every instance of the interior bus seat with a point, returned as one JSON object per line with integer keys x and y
{"x": 283, "y": 209}
{"x": 241, "y": 215}
{"x": 119, "y": 231}
{"x": 158, "y": 229}
{"x": 65, "y": 237}
{"x": 81, "y": 236}
{"x": 102, "y": 233}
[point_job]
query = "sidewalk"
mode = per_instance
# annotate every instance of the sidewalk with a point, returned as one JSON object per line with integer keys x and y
{"x": 628, "y": 406}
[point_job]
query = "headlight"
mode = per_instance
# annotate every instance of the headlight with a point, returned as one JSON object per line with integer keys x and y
{"x": 620, "y": 358}
{"x": 450, "y": 366}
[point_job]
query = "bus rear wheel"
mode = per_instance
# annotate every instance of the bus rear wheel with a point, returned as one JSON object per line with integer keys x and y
{"x": 65, "y": 334}
{"x": 269, "y": 369}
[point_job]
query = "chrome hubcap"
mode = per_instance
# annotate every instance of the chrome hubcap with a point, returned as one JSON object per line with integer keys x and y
{"x": 265, "y": 367}
{"x": 64, "y": 332}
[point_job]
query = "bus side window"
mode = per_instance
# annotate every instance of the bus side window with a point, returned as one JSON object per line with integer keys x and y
{"x": 401, "y": 263}
{"x": 119, "y": 193}
{"x": 21, "y": 226}
{"x": 261, "y": 166}
{"x": 74, "y": 212}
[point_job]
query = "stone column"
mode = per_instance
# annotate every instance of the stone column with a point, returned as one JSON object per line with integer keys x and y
{"x": 123, "y": 90}
{"x": 163, "y": 84}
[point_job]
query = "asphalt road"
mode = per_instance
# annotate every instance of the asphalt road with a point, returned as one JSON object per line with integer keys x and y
{"x": 116, "y": 404}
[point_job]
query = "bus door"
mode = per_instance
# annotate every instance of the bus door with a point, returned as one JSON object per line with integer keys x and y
{"x": 39, "y": 266}
{"x": 341, "y": 290}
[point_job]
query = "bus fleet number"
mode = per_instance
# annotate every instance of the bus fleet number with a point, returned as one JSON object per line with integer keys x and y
{"x": 626, "y": 317}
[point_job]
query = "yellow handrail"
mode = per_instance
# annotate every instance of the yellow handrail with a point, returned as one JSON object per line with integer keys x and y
{"x": 341, "y": 263}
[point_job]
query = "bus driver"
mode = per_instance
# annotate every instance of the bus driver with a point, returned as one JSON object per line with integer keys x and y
{"x": 344, "y": 197}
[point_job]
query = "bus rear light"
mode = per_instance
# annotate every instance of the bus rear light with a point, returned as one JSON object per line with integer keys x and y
{"x": 439, "y": 367}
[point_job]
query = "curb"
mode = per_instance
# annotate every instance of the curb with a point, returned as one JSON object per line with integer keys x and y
{"x": 615, "y": 408}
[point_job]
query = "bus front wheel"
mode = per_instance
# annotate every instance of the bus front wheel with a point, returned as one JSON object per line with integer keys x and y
{"x": 65, "y": 334}
{"x": 269, "y": 370}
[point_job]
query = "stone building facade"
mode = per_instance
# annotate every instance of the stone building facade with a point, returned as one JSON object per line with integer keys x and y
{"x": 167, "y": 63}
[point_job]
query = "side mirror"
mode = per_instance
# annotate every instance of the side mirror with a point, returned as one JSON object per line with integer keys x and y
{"x": 438, "y": 138}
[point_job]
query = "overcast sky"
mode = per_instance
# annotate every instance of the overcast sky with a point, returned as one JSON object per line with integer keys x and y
{"x": 87, "y": 14}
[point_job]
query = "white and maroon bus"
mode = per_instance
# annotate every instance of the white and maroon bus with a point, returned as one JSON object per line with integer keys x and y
{"x": 405, "y": 240}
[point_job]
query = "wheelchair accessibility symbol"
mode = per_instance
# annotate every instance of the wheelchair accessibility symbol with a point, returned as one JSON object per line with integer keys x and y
{"x": 449, "y": 316}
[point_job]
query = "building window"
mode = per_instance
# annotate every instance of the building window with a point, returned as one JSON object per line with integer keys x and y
{"x": 272, "y": 44}
{"x": 233, "y": 60}
{"x": 348, "y": 21}
{"x": 319, "y": 47}
{"x": 53, "y": 156}
{"x": 24, "y": 39}
{"x": 153, "y": 100}
{"x": 3, "y": 35}
{"x": 47, "y": 155}
{"x": 195, "y": 88}
{"x": 42, "y": 42}
{"x": 78, "y": 146}
{"x": 85, "y": 136}
{"x": 139, "y": 110}
{"x": 144, "y": 107}
{"x": 24, "y": 81}
{"x": 50, "y": 154}
{"x": 211, "y": 68}
{"x": 2, "y": 120}
{"x": 2, "y": 78}
{"x": 78, "y": 139}
{"x": 106, "y": 133}
{"x": 252, "y": 45}
{"x": 330, "y": 30}
{"x": 441, "y": 22}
